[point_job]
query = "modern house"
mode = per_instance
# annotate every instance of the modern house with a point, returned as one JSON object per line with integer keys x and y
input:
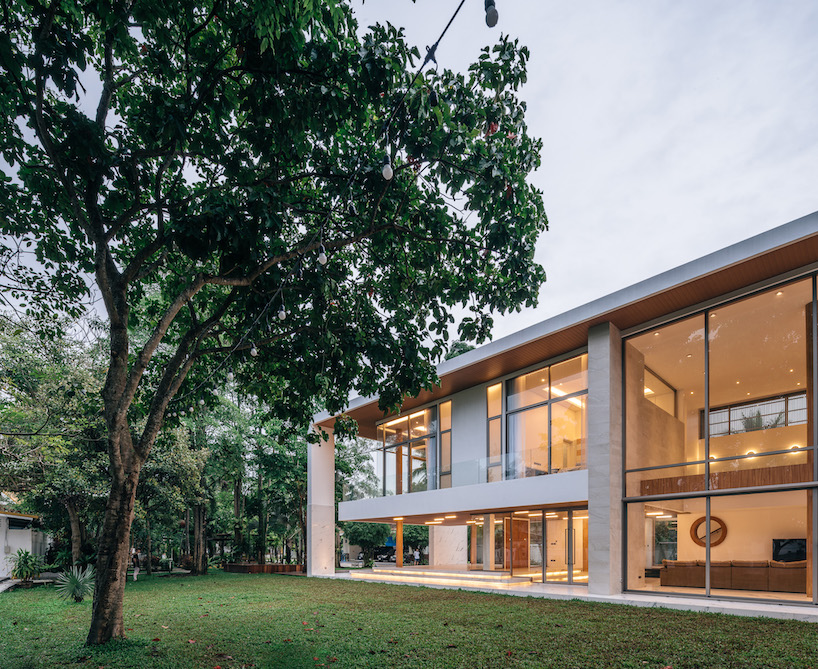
{"x": 658, "y": 439}
{"x": 17, "y": 531}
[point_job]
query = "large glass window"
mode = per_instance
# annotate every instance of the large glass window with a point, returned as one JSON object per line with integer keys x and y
{"x": 494, "y": 402}
{"x": 758, "y": 546}
{"x": 446, "y": 445}
{"x": 750, "y": 359}
{"x": 546, "y": 420}
{"x": 716, "y": 402}
{"x": 404, "y": 447}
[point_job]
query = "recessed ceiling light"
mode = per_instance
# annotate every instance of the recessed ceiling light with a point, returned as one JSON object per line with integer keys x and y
{"x": 689, "y": 355}
{"x": 779, "y": 293}
{"x": 655, "y": 334}
{"x": 398, "y": 518}
{"x": 713, "y": 315}
{"x": 450, "y": 516}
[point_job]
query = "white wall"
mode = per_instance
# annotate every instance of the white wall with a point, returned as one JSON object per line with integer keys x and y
{"x": 11, "y": 541}
{"x": 469, "y": 434}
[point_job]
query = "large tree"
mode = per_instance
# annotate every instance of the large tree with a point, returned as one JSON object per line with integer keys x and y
{"x": 213, "y": 171}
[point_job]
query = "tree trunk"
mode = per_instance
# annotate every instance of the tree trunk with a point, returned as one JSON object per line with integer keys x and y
{"x": 149, "y": 546}
{"x": 186, "y": 537}
{"x": 76, "y": 531}
{"x": 262, "y": 529}
{"x": 199, "y": 542}
{"x": 113, "y": 559}
{"x": 237, "y": 534}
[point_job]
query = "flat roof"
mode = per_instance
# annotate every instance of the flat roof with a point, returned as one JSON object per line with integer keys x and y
{"x": 774, "y": 253}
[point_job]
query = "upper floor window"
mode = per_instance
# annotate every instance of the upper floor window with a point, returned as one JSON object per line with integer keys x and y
{"x": 404, "y": 450}
{"x": 547, "y": 420}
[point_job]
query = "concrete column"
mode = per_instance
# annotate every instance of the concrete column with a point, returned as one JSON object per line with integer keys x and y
{"x": 321, "y": 507}
{"x": 488, "y": 542}
{"x": 604, "y": 460}
{"x": 448, "y": 545}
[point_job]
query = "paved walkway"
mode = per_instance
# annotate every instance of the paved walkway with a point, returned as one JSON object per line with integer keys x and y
{"x": 437, "y": 578}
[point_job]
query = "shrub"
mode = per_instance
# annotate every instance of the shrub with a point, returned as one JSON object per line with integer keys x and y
{"x": 76, "y": 583}
{"x": 25, "y": 565}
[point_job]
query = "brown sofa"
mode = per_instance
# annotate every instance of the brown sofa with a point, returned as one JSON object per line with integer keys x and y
{"x": 757, "y": 575}
{"x": 788, "y": 576}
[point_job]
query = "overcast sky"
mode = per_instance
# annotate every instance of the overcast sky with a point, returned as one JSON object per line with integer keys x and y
{"x": 670, "y": 129}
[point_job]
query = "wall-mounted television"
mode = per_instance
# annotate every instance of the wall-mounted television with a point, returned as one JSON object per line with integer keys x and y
{"x": 789, "y": 550}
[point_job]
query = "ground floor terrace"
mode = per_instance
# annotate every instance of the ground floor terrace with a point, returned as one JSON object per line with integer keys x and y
{"x": 740, "y": 547}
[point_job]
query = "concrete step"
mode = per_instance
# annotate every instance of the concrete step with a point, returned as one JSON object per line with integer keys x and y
{"x": 449, "y": 578}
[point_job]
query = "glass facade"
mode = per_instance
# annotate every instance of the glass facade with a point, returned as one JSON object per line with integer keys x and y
{"x": 546, "y": 420}
{"x": 719, "y": 404}
{"x": 402, "y": 457}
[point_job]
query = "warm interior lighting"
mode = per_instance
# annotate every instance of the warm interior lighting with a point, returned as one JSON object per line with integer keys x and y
{"x": 779, "y": 293}
{"x": 419, "y": 413}
{"x": 433, "y": 522}
{"x": 794, "y": 446}
{"x": 441, "y": 518}
{"x": 655, "y": 334}
{"x": 498, "y": 522}
{"x": 450, "y": 516}
{"x": 667, "y": 515}
{"x": 395, "y": 422}
{"x": 654, "y": 513}
{"x": 521, "y": 513}
{"x": 398, "y": 518}
{"x": 580, "y": 517}
{"x": 535, "y": 513}
{"x": 561, "y": 393}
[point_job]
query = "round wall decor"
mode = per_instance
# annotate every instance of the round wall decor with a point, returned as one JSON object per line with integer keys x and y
{"x": 718, "y": 531}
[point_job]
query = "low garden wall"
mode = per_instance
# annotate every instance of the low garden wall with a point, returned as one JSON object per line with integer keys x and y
{"x": 256, "y": 568}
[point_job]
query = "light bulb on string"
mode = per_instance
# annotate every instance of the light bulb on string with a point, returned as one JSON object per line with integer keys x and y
{"x": 201, "y": 403}
{"x": 183, "y": 413}
{"x": 254, "y": 351}
{"x": 491, "y": 14}
{"x": 322, "y": 257}
{"x": 190, "y": 409}
{"x": 387, "y": 170}
{"x": 230, "y": 375}
{"x": 282, "y": 313}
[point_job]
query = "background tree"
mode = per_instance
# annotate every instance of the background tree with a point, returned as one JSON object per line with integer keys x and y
{"x": 367, "y": 535}
{"x": 223, "y": 159}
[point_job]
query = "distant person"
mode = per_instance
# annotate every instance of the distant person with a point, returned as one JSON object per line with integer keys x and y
{"x": 135, "y": 562}
{"x": 417, "y": 557}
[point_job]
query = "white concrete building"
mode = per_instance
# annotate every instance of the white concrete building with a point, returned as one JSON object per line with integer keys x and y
{"x": 660, "y": 439}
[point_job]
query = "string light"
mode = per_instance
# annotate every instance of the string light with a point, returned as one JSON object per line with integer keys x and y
{"x": 201, "y": 403}
{"x": 387, "y": 170}
{"x": 491, "y": 14}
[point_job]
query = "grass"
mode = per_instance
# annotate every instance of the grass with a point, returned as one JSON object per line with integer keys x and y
{"x": 239, "y": 620}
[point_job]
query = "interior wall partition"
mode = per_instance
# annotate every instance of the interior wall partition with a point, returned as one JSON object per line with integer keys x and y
{"x": 720, "y": 438}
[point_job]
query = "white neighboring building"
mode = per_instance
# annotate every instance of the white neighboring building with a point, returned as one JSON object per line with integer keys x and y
{"x": 16, "y": 532}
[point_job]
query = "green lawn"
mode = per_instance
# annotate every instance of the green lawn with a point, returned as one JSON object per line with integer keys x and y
{"x": 238, "y": 620}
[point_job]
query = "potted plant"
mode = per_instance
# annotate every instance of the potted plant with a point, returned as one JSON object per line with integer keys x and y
{"x": 26, "y": 566}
